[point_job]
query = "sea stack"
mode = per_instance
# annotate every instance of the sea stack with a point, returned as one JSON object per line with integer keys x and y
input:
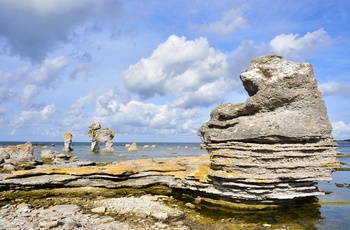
{"x": 97, "y": 135}
{"x": 276, "y": 144}
{"x": 108, "y": 139}
{"x": 67, "y": 145}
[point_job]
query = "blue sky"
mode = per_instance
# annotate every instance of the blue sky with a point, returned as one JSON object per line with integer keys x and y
{"x": 153, "y": 70}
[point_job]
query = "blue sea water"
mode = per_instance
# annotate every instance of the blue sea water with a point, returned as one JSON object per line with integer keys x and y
{"x": 333, "y": 213}
{"x": 82, "y": 150}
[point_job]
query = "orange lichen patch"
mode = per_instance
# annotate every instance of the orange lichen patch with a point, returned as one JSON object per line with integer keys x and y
{"x": 67, "y": 135}
{"x": 333, "y": 165}
{"x": 22, "y": 147}
{"x": 120, "y": 170}
{"x": 165, "y": 167}
{"x": 202, "y": 173}
{"x": 182, "y": 167}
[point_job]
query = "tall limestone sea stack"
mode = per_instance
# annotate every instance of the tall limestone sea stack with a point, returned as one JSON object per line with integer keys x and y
{"x": 276, "y": 144}
{"x": 67, "y": 144}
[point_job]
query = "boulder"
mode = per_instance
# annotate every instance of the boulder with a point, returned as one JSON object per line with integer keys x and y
{"x": 17, "y": 154}
{"x": 48, "y": 154}
{"x": 133, "y": 147}
{"x": 278, "y": 142}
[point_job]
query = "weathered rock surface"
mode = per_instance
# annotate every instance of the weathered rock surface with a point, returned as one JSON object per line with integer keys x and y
{"x": 17, "y": 156}
{"x": 278, "y": 142}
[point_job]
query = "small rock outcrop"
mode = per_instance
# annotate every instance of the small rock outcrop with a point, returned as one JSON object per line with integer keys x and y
{"x": 48, "y": 155}
{"x": 276, "y": 144}
{"x": 96, "y": 136}
{"x": 16, "y": 155}
{"x": 19, "y": 153}
{"x": 67, "y": 144}
{"x": 132, "y": 147}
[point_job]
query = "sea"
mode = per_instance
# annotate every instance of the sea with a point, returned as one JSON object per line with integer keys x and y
{"x": 332, "y": 211}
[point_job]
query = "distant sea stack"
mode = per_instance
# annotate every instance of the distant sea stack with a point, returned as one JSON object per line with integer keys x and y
{"x": 276, "y": 144}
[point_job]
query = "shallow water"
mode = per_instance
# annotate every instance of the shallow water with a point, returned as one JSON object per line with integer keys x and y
{"x": 331, "y": 213}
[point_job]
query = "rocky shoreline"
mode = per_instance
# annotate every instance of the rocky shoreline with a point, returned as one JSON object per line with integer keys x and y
{"x": 145, "y": 212}
{"x": 265, "y": 153}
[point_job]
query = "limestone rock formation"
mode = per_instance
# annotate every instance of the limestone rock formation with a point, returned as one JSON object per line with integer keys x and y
{"x": 278, "y": 142}
{"x": 108, "y": 136}
{"x": 67, "y": 144}
{"x": 17, "y": 154}
{"x": 96, "y": 136}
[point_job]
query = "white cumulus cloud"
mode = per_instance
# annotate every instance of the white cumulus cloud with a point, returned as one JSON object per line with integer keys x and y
{"x": 295, "y": 47}
{"x": 184, "y": 68}
{"x": 29, "y": 118}
{"x": 335, "y": 88}
{"x": 341, "y": 130}
{"x": 47, "y": 76}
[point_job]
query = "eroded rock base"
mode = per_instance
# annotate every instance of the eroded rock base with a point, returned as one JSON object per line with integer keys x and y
{"x": 251, "y": 171}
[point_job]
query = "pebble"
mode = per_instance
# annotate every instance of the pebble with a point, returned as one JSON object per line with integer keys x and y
{"x": 99, "y": 210}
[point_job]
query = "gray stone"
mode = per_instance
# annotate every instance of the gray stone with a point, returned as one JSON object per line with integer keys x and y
{"x": 99, "y": 209}
{"x": 9, "y": 167}
{"x": 48, "y": 154}
{"x": 69, "y": 224}
{"x": 48, "y": 224}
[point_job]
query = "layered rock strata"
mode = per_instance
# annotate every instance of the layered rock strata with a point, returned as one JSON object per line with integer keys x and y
{"x": 276, "y": 144}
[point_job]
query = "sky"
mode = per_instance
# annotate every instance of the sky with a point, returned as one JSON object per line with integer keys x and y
{"x": 153, "y": 70}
